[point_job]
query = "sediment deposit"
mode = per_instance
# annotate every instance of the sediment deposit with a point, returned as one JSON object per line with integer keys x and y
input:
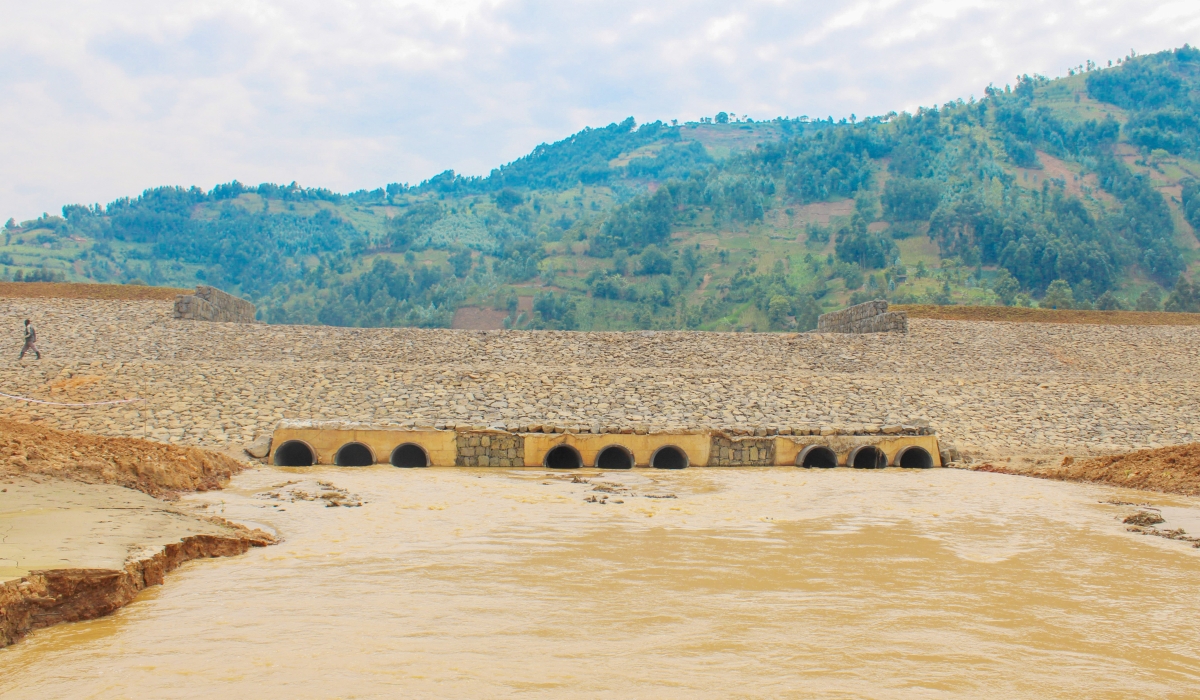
{"x": 992, "y": 389}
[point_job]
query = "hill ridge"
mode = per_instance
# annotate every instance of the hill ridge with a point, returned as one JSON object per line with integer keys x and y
{"x": 1075, "y": 192}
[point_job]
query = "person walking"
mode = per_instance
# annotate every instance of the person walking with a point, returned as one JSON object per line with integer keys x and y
{"x": 30, "y": 339}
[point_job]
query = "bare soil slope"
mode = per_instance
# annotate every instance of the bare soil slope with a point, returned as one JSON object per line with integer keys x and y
{"x": 78, "y": 290}
{"x": 1173, "y": 469}
{"x": 151, "y": 467}
{"x": 1022, "y": 315}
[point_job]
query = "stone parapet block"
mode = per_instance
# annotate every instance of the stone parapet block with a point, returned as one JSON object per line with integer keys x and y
{"x": 868, "y": 317}
{"x": 211, "y": 304}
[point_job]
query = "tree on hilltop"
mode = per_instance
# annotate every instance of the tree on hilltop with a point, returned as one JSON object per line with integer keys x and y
{"x": 1058, "y": 296}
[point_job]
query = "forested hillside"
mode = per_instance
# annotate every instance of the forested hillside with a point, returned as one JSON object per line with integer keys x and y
{"x": 1082, "y": 191}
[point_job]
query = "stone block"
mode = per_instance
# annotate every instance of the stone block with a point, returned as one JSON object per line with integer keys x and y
{"x": 211, "y": 304}
{"x": 869, "y": 317}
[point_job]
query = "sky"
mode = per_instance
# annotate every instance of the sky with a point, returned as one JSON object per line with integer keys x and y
{"x": 102, "y": 100}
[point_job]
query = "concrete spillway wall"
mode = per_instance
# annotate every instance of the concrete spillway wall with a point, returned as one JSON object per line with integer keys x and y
{"x": 348, "y": 444}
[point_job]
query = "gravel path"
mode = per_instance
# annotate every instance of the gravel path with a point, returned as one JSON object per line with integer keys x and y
{"x": 993, "y": 389}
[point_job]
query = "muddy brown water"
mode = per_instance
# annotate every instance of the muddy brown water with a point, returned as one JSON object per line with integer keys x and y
{"x": 749, "y": 583}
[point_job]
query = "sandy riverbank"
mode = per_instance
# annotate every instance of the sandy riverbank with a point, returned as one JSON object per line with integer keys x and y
{"x": 82, "y": 530}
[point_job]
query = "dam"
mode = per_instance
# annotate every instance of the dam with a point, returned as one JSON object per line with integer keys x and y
{"x": 302, "y": 444}
{"x": 982, "y": 390}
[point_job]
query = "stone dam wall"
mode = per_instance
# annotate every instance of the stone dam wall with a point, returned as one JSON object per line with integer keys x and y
{"x": 993, "y": 390}
{"x": 868, "y": 317}
{"x": 211, "y": 304}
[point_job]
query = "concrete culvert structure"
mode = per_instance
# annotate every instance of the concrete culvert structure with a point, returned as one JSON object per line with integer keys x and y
{"x": 563, "y": 457}
{"x": 867, "y": 457}
{"x": 354, "y": 454}
{"x": 913, "y": 457}
{"x": 614, "y": 457}
{"x": 817, "y": 456}
{"x": 669, "y": 457}
{"x": 409, "y": 455}
{"x": 294, "y": 453}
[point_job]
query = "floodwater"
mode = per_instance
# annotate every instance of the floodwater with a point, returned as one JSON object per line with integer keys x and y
{"x": 749, "y": 583}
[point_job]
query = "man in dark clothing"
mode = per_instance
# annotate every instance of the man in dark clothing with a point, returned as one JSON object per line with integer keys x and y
{"x": 30, "y": 339}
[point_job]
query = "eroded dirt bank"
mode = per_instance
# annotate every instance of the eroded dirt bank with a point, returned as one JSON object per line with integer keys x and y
{"x": 49, "y": 596}
{"x": 150, "y": 467}
{"x": 81, "y": 532}
{"x": 1173, "y": 469}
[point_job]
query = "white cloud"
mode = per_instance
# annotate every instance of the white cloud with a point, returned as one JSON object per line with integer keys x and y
{"x": 100, "y": 102}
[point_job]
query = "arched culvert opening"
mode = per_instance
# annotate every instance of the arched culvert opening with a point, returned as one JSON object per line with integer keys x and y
{"x": 867, "y": 457}
{"x": 294, "y": 453}
{"x": 614, "y": 457}
{"x": 913, "y": 457}
{"x": 817, "y": 456}
{"x": 669, "y": 457}
{"x": 354, "y": 454}
{"x": 409, "y": 456}
{"x": 563, "y": 457}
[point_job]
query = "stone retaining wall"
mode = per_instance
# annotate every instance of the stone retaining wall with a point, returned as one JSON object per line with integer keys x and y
{"x": 490, "y": 449}
{"x": 211, "y": 304}
{"x": 742, "y": 452}
{"x": 869, "y": 317}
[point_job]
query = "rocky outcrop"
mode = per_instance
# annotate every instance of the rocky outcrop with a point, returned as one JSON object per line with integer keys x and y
{"x": 869, "y": 317}
{"x": 211, "y": 304}
{"x": 45, "y": 598}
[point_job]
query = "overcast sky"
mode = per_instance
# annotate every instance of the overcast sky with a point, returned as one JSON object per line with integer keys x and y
{"x": 102, "y": 100}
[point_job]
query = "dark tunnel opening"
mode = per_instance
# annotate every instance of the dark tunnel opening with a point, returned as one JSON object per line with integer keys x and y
{"x": 868, "y": 457}
{"x": 563, "y": 457}
{"x": 354, "y": 454}
{"x": 669, "y": 458}
{"x": 409, "y": 456}
{"x": 614, "y": 457}
{"x": 294, "y": 453}
{"x": 915, "y": 458}
{"x": 819, "y": 457}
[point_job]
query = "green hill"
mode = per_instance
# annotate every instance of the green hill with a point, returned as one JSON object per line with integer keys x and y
{"x": 1080, "y": 191}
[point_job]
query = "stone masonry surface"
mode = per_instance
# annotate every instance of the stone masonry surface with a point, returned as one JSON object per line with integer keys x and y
{"x": 744, "y": 451}
{"x": 489, "y": 449}
{"x": 211, "y": 304}
{"x": 868, "y": 317}
{"x": 993, "y": 389}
